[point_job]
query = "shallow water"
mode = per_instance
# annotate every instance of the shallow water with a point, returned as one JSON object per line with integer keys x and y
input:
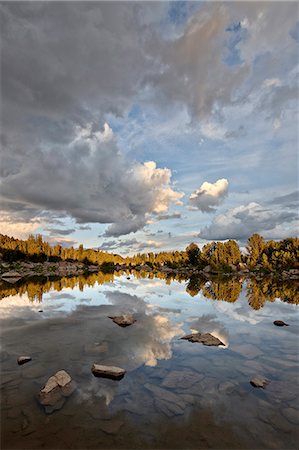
{"x": 175, "y": 394}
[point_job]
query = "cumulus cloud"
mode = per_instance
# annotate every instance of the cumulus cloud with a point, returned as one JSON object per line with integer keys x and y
{"x": 242, "y": 221}
{"x": 66, "y": 70}
{"x": 209, "y": 195}
{"x": 91, "y": 181}
{"x": 59, "y": 152}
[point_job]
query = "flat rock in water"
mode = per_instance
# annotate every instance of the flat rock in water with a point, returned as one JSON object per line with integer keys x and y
{"x": 123, "y": 321}
{"x": 280, "y": 323}
{"x": 58, "y": 387}
{"x": 203, "y": 338}
{"x": 113, "y": 372}
{"x": 259, "y": 382}
{"x": 23, "y": 360}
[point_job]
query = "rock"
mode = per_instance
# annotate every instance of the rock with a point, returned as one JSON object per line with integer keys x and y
{"x": 167, "y": 402}
{"x": 259, "y": 382}
{"x": 11, "y": 274}
{"x": 53, "y": 394}
{"x": 23, "y": 360}
{"x": 227, "y": 387}
{"x": 207, "y": 269}
{"x": 96, "y": 348}
{"x": 3, "y": 356}
{"x": 180, "y": 379}
{"x": 49, "y": 409}
{"x": 291, "y": 414}
{"x": 128, "y": 278}
{"x": 40, "y": 310}
{"x": 249, "y": 351}
{"x": 63, "y": 378}
{"x": 111, "y": 426}
{"x": 204, "y": 338}
{"x": 280, "y": 323}
{"x": 113, "y": 372}
{"x": 123, "y": 321}
{"x": 279, "y": 391}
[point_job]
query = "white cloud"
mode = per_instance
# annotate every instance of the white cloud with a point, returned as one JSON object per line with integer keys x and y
{"x": 19, "y": 229}
{"x": 209, "y": 195}
{"x": 91, "y": 181}
{"x": 213, "y": 131}
{"x": 242, "y": 221}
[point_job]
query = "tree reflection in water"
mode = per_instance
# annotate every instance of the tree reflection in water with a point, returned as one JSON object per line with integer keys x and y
{"x": 258, "y": 291}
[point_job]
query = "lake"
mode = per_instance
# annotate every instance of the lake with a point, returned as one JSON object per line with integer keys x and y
{"x": 175, "y": 394}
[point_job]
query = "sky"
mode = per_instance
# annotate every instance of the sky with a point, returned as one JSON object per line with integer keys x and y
{"x": 144, "y": 126}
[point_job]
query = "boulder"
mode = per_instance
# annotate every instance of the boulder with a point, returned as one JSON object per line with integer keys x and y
{"x": 280, "y": 323}
{"x": 116, "y": 373}
{"x": 23, "y": 360}
{"x": 53, "y": 394}
{"x": 207, "y": 269}
{"x": 123, "y": 321}
{"x": 259, "y": 382}
{"x": 11, "y": 274}
{"x": 203, "y": 338}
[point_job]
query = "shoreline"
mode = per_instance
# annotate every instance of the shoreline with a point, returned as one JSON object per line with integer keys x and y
{"x": 13, "y": 272}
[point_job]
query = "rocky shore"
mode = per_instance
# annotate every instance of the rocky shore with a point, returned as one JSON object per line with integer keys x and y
{"x": 13, "y": 272}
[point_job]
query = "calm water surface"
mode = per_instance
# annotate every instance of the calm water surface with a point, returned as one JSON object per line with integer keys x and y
{"x": 175, "y": 394}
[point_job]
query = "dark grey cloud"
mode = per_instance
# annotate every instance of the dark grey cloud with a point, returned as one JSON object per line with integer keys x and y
{"x": 132, "y": 244}
{"x": 84, "y": 227}
{"x": 114, "y": 245}
{"x": 60, "y": 231}
{"x": 169, "y": 216}
{"x": 287, "y": 201}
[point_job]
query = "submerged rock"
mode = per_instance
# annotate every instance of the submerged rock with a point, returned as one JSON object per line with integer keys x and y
{"x": 259, "y": 382}
{"x": 23, "y": 360}
{"x": 113, "y": 372}
{"x": 167, "y": 402}
{"x": 53, "y": 395}
{"x": 181, "y": 379}
{"x": 280, "y": 323}
{"x": 111, "y": 426}
{"x": 203, "y": 338}
{"x": 123, "y": 321}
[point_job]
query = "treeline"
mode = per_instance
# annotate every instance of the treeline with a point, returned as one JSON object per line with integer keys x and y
{"x": 220, "y": 256}
{"x": 36, "y": 250}
{"x": 259, "y": 255}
